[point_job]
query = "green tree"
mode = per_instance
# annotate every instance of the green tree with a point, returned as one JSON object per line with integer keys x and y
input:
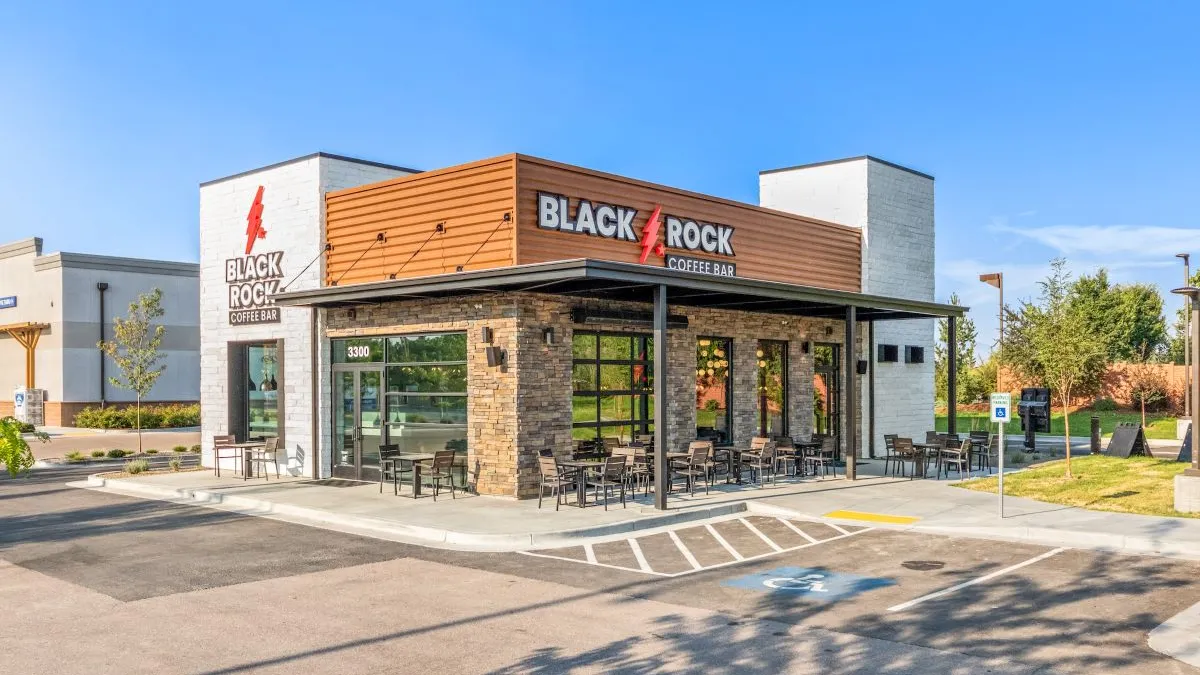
{"x": 965, "y": 353}
{"x": 135, "y": 349}
{"x": 1051, "y": 342}
{"x": 14, "y": 449}
{"x": 1126, "y": 317}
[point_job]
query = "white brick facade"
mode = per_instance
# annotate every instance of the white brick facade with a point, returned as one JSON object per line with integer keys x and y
{"x": 293, "y": 216}
{"x": 894, "y": 208}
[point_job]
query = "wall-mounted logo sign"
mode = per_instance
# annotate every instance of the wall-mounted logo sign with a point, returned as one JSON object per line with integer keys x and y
{"x": 253, "y": 279}
{"x": 254, "y": 227}
{"x": 8, "y": 302}
{"x": 609, "y": 221}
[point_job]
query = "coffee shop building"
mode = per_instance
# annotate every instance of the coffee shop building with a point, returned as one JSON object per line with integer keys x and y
{"x": 515, "y": 305}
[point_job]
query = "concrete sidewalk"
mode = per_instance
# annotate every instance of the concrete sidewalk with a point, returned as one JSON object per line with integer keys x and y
{"x": 939, "y": 508}
{"x": 501, "y": 524}
{"x": 466, "y": 522}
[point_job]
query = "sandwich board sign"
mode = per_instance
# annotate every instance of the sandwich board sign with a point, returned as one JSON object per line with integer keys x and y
{"x": 1128, "y": 439}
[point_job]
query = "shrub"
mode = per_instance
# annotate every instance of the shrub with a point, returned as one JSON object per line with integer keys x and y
{"x": 97, "y": 453}
{"x": 117, "y": 453}
{"x": 22, "y": 427}
{"x": 136, "y": 466}
{"x": 152, "y": 451}
{"x": 175, "y": 464}
{"x": 74, "y": 456}
{"x": 153, "y": 417}
{"x": 179, "y": 448}
{"x": 196, "y": 448}
{"x": 1104, "y": 405}
{"x": 15, "y": 452}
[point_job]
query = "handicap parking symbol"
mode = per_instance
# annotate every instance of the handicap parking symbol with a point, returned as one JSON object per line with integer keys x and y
{"x": 814, "y": 583}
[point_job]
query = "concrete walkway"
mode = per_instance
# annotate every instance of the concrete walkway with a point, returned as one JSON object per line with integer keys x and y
{"x": 937, "y": 507}
{"x": 493, "y": 523}
{"x": 466, "y": 522}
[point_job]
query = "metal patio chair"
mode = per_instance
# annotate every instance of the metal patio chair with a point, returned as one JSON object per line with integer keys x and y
{"x": 441, "y": 470}
{"x": 889, "y": 453}
{"x": 389, "y": 467}
{"x": 695, "y": 466}
{"x": 825, "y": 459}
{"x": 223, "y": 442}
{"x": 556, "y": 478}
{"x": 607, "y": 478}
{"x": 269, "y": 453}
{"x": 760, "y": 462}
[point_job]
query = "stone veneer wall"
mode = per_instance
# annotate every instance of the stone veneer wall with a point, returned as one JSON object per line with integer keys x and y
{"x": 525, "y": 406}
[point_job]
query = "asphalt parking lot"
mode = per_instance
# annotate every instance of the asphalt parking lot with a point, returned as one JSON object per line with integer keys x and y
{"x": 738, "y": 594}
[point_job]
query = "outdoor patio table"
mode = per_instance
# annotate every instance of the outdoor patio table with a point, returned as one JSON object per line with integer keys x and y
{"x": 416, "y": 461}
{"x": 927, "y": 449}
{"x": 807, "y": 448}
{"x": 246, "y": 450}
{"x": 580, "y": 466}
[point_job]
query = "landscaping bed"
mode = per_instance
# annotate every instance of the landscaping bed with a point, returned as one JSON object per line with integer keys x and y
{"x": 148, "y": 472}
{"x": 1158, "y": 425}
{"x": 1135, "y": 485}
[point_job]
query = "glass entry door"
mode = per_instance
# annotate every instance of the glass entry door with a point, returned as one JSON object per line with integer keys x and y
{"x": 357, "y": 423}
{"x": 826, "y": 389}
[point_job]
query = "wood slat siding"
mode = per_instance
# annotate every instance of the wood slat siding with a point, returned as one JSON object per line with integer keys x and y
{"x": 470, "y": 198}
{"x": 768, "y": 244}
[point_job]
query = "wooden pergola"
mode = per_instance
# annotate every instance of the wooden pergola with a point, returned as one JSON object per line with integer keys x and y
{"x": 27, "y": 334}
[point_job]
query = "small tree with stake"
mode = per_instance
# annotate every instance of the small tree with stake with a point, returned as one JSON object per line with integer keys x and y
{"x": 1052, "y": 343}
{"x": 135, "y": 349}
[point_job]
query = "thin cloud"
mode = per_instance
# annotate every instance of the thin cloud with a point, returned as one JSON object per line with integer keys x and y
{"x": 1143, "y": 242}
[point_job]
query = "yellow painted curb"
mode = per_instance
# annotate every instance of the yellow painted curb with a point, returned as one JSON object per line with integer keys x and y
{"x": 872, "y": 517}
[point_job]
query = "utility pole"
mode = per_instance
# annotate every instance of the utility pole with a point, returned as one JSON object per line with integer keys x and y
{"x": 1187, "y": 337}
{"x": 996, "y": 280}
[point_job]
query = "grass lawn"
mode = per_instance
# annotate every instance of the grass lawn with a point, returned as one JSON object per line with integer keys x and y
{"x": 1135, "y": 485}
{"x": 1157, "y": 425}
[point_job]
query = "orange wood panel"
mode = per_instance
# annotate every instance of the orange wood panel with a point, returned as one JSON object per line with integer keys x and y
{"x": 471, "y": 199}
{"x": 768, "y": 244}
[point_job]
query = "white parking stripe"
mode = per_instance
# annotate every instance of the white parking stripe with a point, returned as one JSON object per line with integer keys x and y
{"x": 721, "y": 540}
{"x": 684, "y": 550}
{"x": 644, "y": 566}
{"x": 946, "y": 591}
{"x": 762, "y": 536}
{"x": 834, "y": 526}
{"x": 797, "y": 530}
{"x": 641, "y": 558}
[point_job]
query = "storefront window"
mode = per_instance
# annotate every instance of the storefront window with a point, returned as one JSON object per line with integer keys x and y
{"x": 611, "y": 375}
{"x": 714, "y": 415}
{"x": 425, "y": 404}
{"x": 771, "y": 357}
{"x": 262, "y": 390}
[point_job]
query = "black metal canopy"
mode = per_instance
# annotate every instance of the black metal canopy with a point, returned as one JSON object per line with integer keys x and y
{"x": 608, "y": 280}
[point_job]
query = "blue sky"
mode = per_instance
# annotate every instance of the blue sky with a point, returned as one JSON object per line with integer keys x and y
{"x": 1067, "y": 130}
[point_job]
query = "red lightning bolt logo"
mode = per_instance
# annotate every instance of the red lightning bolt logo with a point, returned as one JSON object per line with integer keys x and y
{"x": 650, "y": 240}
{"x": 254, "y": 228}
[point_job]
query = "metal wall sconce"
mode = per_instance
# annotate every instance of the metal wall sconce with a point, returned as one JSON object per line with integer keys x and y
{"x": 548, "y": 335}
{"x": 805, "y": 347}
{"x": 352, "y": 314}
{"x": 486, "y": 335}
{"x": 495, "y": 356}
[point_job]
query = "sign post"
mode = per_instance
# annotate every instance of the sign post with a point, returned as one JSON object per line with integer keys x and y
{"x": 1001, "y": 412}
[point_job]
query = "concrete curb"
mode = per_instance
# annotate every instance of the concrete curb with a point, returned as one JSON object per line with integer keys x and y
{"x": 1179, "y": 636}
{"x": 1089, "y": 540}
{"x": 395, "y": 531}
